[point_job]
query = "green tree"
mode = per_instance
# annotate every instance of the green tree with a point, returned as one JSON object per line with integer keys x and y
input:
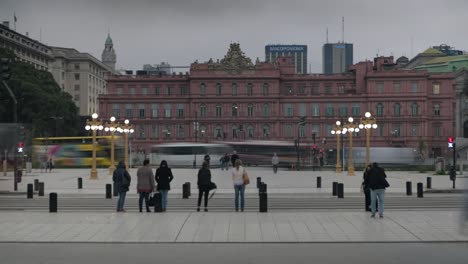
{"x": 421, "y": 148}
{"x": 41, "y": 102}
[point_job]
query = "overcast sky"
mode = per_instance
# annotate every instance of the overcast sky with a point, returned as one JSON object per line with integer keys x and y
{"x": 182, "y": 31}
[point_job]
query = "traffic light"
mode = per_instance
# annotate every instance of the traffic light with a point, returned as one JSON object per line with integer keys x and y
{"x": 4, "y": 69}
{"x": 20, "y": 147}
{"x": 22, "y": 133}
{"x": 314, "y": 150}
{"x": 450, "y": 142}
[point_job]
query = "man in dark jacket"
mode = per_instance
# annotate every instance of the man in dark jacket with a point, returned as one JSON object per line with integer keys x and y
{"x": 377, "y": 185}
{"x": 204, "y": 185}
{"x": 163, "y": 178}
{"x": 121, "y": 179}
{"x": 234, "y": 157}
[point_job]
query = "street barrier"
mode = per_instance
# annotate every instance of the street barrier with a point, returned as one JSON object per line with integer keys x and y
{"x": 319, "y": 182}
{"x": 185, "y": 190}
{"x": 108, "y": 191}
{"x": 263, "y": 202}
{"x": 52, "y": 202}
{"x": 30, "y": 191}
{"x": 409, "y": 188}
{"x": 340, "y": 191}
{"x": 259, "y": 181}
{"x": 420, "y": 189}
{"x": 41, "y": 189}
{"x": 429, "y": 183}
{"x": 334, "y": 188}
{"x": 36, "y": 184}
{"x": 80, "y": 183}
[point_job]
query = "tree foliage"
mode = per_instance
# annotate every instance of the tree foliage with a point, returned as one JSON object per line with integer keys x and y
{"x": 41, "y": 102}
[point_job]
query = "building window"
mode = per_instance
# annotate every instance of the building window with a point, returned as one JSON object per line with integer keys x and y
{"x": 414, "y": 87}
{"x": 250, "y": 132}
{"x": 167, "y": 131}
{"x": 218, "y": 110}
{"x": 315, "y": 88}
{"x": 77, "y": 76}
{"x": 116, "y": 110}
{"x": 167, "y": 110}
{"x": 203, "y": 110}
{"x": 396, "y": 109}
{"x": 302, "y": 131}
{"x": 183, "y": 90}
{"x": 234, "y": 110}
{"x": 330, "y": 111}
{"x": 436, "y": 88}
{"x": 379, "y": 110}
{"x": 77, "y": 87}
{"x": 234, "y": 89}
{"x": 355, "y": 110}
{"x": 128, "y": 111}
{"x": 343, "y": 110}
{"x": 250, "y": 110}
{"x": 249, "y": 89}
{"x": 288, "y": 131}
{"x": 288, "y": 110}
{"x": 218, "y": 89}
{"x": 154, "y": 131}
{"x": 141, "y": 110}
{"x": 414, "y": 109}
{"x": 132, "y": 91}
{"x": 379, "y": 87}
{"x": 180, "y": 110}
{"x": 265, "y": 89}
{"x": 396, "y": 87}
{"x": 141, "y": 132}
{"x": 341, "y": 88}
{"x": 302, "y": 109}
{"x": 202, "y": 89}
{"x": 437, "y": 130}
{"x": 328, "y": 88}
{"x": 414, "y": 130}
{"x": 154, "y": 110}
{"x": 218, "y": 133}
{"x": 315, "y": 110}
{"x": 266, "y": 131}
{"x": 234, "y": 131}
{"x": 316, "y": 130}
{"x": 380, "y": 130}
{"x": 266, "y": 110}
{"x": 180, "y": 131}
{"x": 144, "y": 90}
{"x": 77, "y": 66}
{"x": 302, "y": 88}
{"x": 437, "y": 110}
{"x": 169, "y": 90}
{"x": 156, "y": 90}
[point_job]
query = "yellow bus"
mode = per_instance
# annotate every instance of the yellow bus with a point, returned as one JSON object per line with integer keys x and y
{"x": 75, "y": 152}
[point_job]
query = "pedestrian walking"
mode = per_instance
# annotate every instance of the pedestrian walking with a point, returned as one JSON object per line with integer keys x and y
{"x": 145, "y": 184}
{"x": 239, "y": 176}
{"x": 163, "y": 178}
{"x": 377, "y": 185}
{"x": 50, "y": 164}
{"x": 207, "y": 158}
{"x": 366, "y": 188}
{"x": 234, "y": 157}
{"x": 225, "y": 162}
{"x": 121, "y": 179}
{"x": 275, "y": 162}
{"x": 204, "y": 185}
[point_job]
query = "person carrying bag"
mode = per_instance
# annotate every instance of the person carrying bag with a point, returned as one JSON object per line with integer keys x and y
{"x": 240, "y": 179}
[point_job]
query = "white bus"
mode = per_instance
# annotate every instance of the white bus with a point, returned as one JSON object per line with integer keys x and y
{"x": 184, "y": 154}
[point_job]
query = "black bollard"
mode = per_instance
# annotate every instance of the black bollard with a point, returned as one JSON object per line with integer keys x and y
{"x": 259, "y": 181}
{"x": 80, "y": 183}
{"x": 108, "y": 191}
{"x": 41, "y": 189}
{"x": 419, "y": 187}
{"x": 340, "y": 190}
{"x": 319, "y": 182}
{"x": 36, "y": 185}
{"x": 189, "y": 189}
{"x": 263, "y": 188}
{"x": 429, "y": 183}
{"x": 185, "y": 191}
{"x": 408, "y": 188}
{"x": 335, "y": 188}
{"x": 52, "y": 202}
{"x": 263, "y": 202}
{"x": 30, "y": 191}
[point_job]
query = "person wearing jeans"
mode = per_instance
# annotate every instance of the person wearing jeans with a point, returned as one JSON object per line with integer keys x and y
{"x": 377, "y": 185}
{"x": 203, "y": 183}
{"x": 163, "y": 178}
{"x": 239, "y": 187}
{"x": 377, "y": 194}
{"x": 121, "y": 179}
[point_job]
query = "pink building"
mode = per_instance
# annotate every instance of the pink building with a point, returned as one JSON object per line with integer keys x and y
{"x": 234, "y": 99}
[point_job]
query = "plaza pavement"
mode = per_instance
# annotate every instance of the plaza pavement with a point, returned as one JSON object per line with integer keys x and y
{"x": 272, "y": 227}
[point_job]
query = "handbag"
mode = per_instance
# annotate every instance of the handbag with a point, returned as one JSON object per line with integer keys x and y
{"x": 386, "y": 184}
{"x": 245, "y": 178}
{"x": 125, "y": 182}
{"x": 212, "y": 186}
{"x": 151, "y": 200}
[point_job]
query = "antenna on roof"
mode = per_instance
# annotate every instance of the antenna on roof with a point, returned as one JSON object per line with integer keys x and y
{"x": 411, "y": 46}
{"x": 327, "y": 35}
{"x": 342, "y": 30}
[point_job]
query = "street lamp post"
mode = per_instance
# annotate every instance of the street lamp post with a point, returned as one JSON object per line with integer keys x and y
{"x": 94, "y": 125}
{"x": 298, "y": 144}
{"x": 112, "y": 127}
{"x": 195, "y": 127}
{"x": 350, "y": 127}
{"x": 337, "y": 129}
{"x": 126, "y": 128}
{"x": 368, "y": 122}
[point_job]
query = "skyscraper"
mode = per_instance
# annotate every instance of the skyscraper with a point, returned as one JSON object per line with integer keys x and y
{"x": 337, "y": 57}
{"x": 298, "y": 53}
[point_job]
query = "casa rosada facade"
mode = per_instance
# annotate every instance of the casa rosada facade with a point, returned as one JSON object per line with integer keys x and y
{"x": 234, "y": 100}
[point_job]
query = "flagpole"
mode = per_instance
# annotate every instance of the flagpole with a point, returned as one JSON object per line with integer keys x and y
{"x": 14, "y": 20}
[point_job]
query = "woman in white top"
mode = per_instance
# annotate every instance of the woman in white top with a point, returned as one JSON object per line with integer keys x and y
{"x": 239, "y": 187}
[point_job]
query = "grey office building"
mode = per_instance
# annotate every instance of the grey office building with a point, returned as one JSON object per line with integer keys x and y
{"x": 337, "y": 57}
{"x": 298, "y": 53}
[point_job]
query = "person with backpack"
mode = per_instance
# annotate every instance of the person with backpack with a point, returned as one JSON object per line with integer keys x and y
{"x": 377, "y": 185}
{"x": 121, "y": 179}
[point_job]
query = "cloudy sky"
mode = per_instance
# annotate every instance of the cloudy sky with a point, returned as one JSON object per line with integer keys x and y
{"x": 182, "y": 31}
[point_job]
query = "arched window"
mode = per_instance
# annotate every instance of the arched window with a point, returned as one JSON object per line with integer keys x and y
{"x": 266, "y": 131}
{"x": 202, "y": 89}
{"x": 265, "y": 89}
{"x": 235, "y": 131}
{"x": 437, "y": 110}
{"x": 249, "y": 89}
{"x": 250, "y": 132}
{"x": 379, "y": 109}
{"x": 414, "y": 109}
{"x": 218, "y": 110}
{"x": 302, "y": 131}
{"x": 250, "y": 110}
{"x": 218, "y": 133}
{"x": 218, "y": 89}
{"x": 234, "y": 88}
{"x": 203, "y": 110}
{"x": 266, "y": 110}
{"x": 234, "y": 110}
{"x": 397, "y": 109}
{"x": 288, "y": 130}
